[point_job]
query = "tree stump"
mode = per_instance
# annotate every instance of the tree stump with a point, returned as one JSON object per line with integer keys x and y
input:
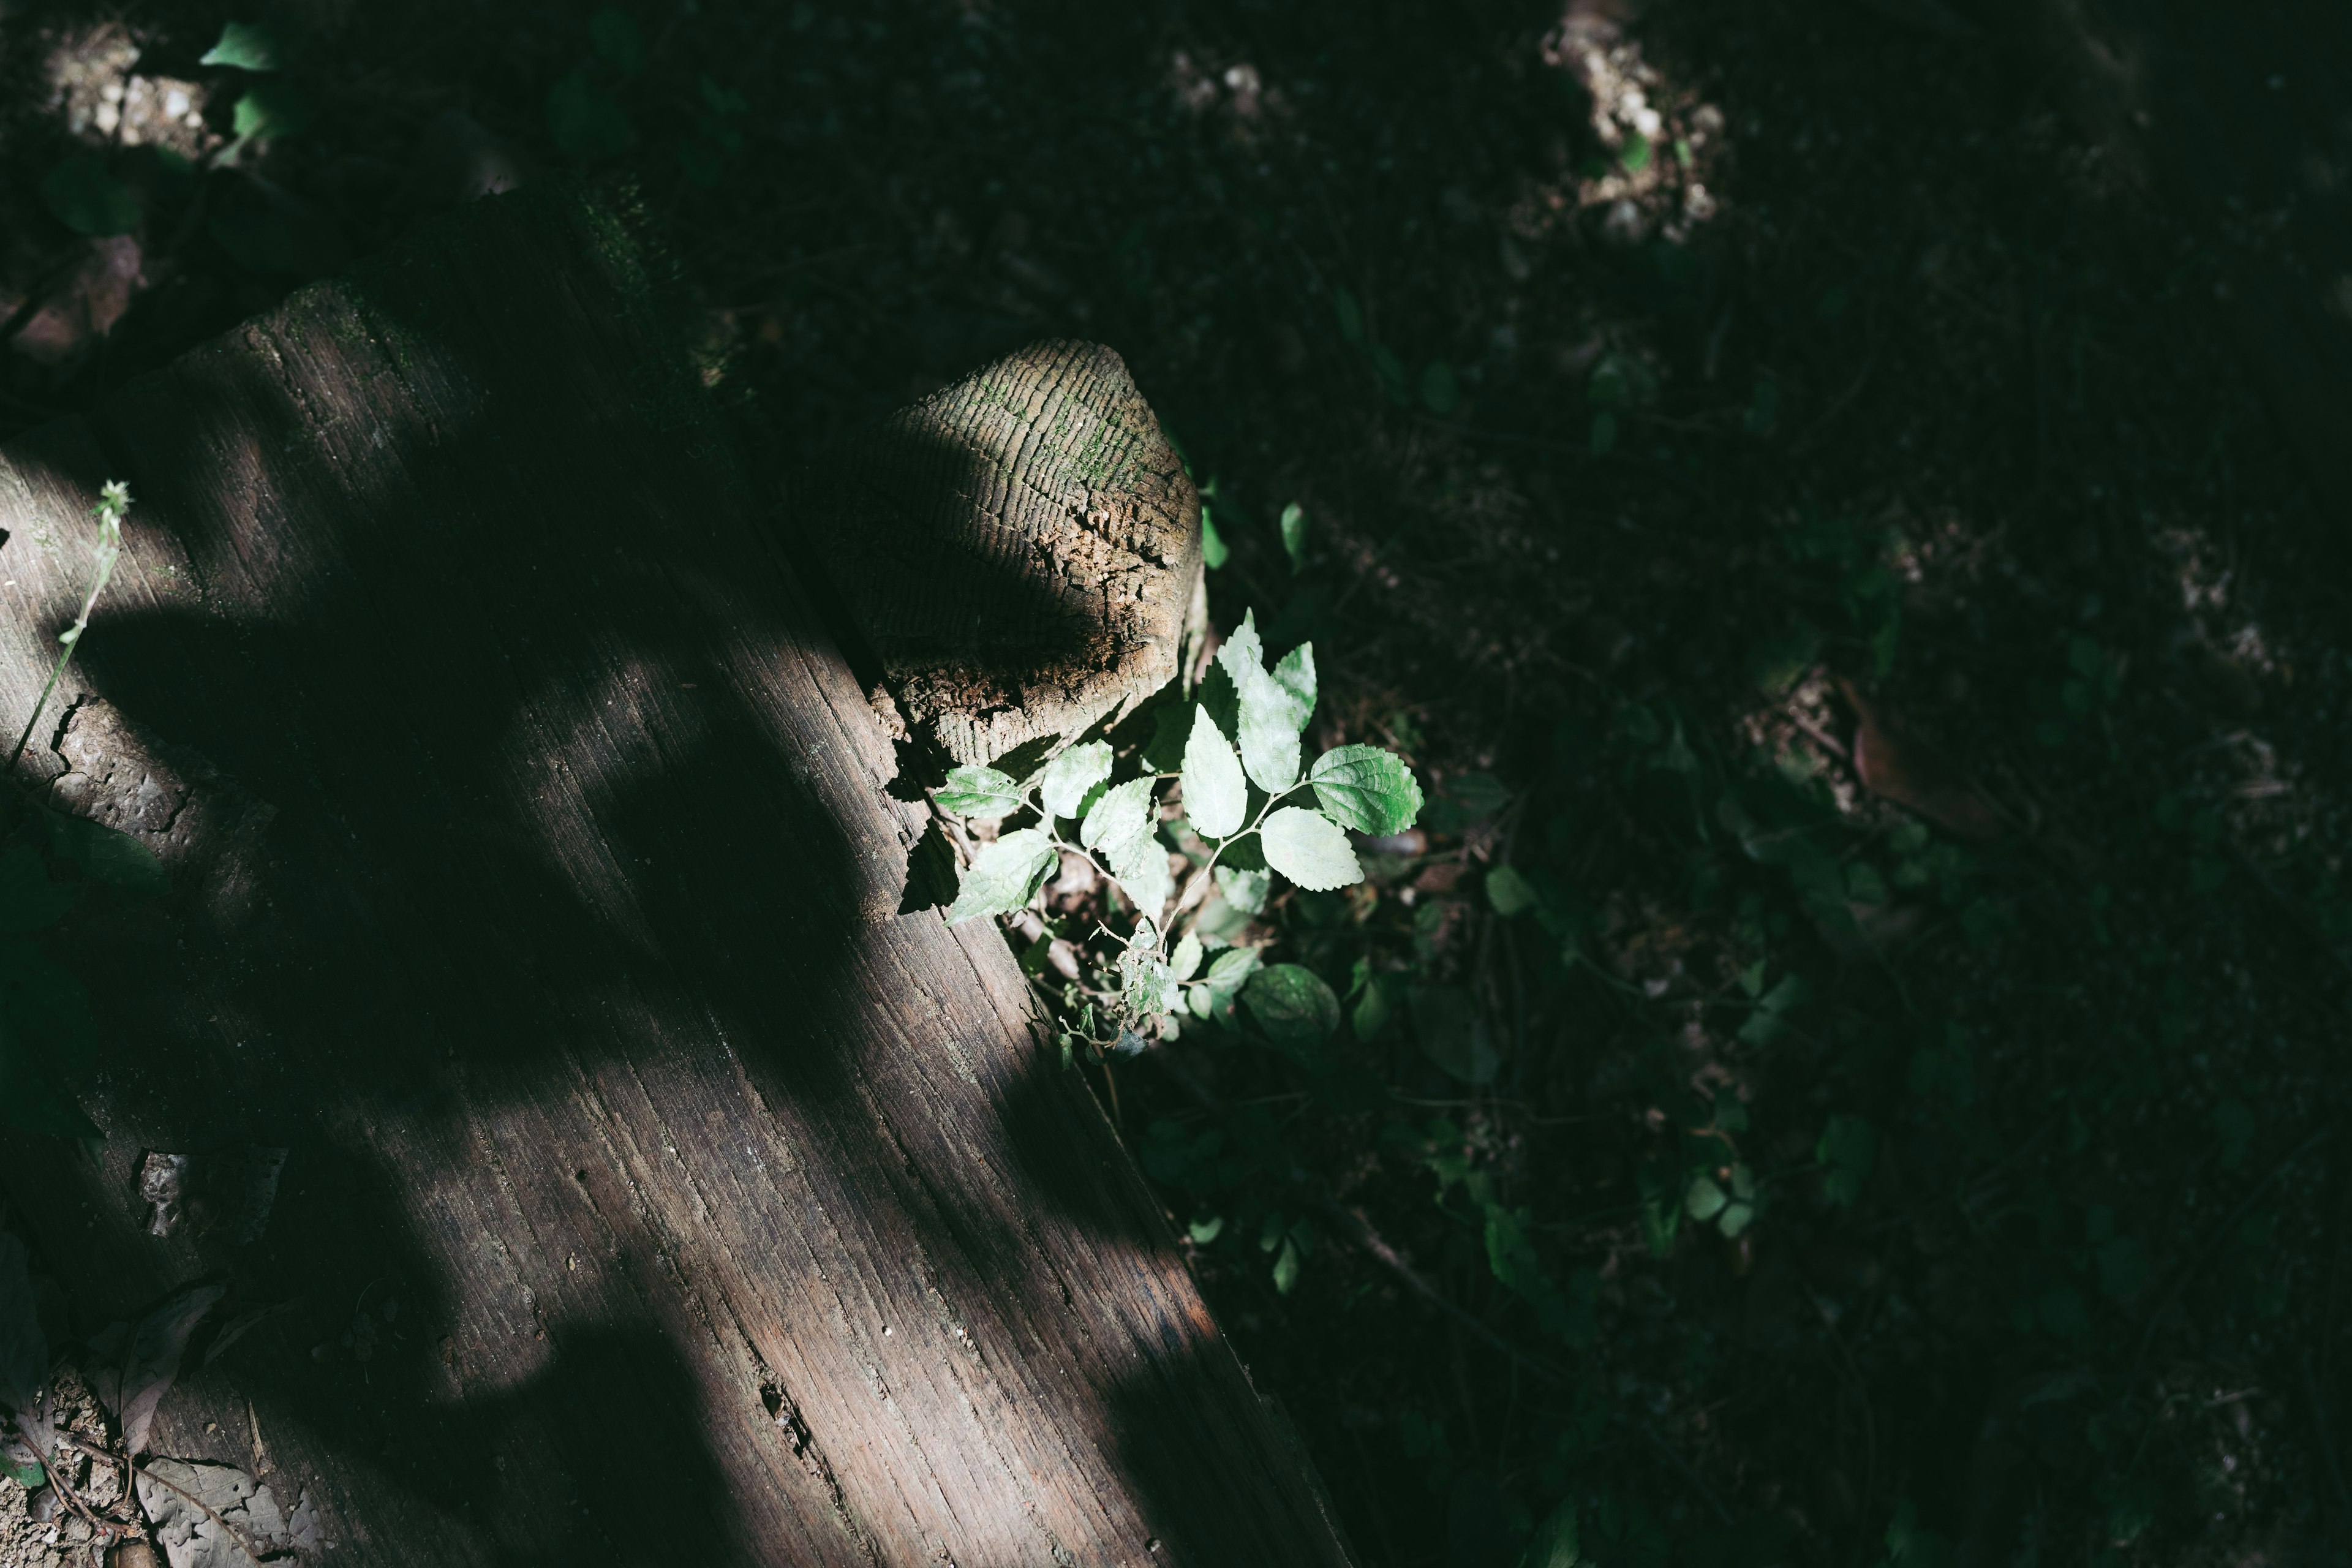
{"x": 1019, "y": 550}
{"x": 654, "y": 1191}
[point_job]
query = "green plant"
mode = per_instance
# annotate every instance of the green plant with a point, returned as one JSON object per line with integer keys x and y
{"x": 1234, "y": 807}
{"x": 48, "y": 863}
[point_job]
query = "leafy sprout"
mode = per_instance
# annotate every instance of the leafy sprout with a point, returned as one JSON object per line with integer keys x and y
{"x": 1247, "y": 795}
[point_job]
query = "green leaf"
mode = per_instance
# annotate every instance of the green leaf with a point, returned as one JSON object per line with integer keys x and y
{"x": 248, "y": 46}
{"x": 29, "y": 898}
{"x": 1226, "y": 977}
{"x": 587, "y": 123}
{"x": 1285, "y": 1267}
{"x": 1509, "y": 892}
{"x": 1636, "y": 153}
{"x": 612, "y": 33}
{"x": 1140, "y": 867}
{"x": 1602, "y": 438}
{"x": 83, "y": 195}
{"x": 1004, "y": 876}
{"x": 1215, "y": 552}
{"x": 1243, "y": 889}
{"x": 1554, "y": 1543}
{"x": 1291, "y": 1004}
{"x": 1371, "y": 1018}
{"x": 1216, "y": 795}
{"x": 1186, "y": 958}
{"x": 1296, "y": 675}
{"x": 272, "y": 109}
{"x": 110, "y": 857}
{"x": 1446, "y": 1023}
{"x": 1705, "y": 1199}
{"x": 1367, "y": 789}
{"x": 1149, "y": 983}
{"x": 979, "y": 792}
{"x": 1294, "y": 536}
{"x": 1269, "y": 718}
{"x": 1068, "y": 777}
{"x": 1123, "y": 812}
{"x": 1440, "y": 393}
{"x": 1310, "y": 849}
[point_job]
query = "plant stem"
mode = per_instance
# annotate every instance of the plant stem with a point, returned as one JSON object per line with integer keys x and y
{"x": 114, "y": 500}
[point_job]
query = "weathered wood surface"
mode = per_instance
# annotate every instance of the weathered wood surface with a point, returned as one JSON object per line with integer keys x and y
{"x": 659, "y": 1193}
{"x": 1019, "y": 549}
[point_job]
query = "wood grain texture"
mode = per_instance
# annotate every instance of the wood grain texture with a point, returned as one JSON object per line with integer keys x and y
{"x": 658, "y": 1194}
{"x": 1019, "y": 550}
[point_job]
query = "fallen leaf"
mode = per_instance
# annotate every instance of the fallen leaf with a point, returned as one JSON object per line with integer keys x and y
{"x": 1913, "y": 773}
{"x": 133, "y": 1386}
{"x": 193, "y": 1538}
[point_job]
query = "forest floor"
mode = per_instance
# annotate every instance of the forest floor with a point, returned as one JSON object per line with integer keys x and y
{"x": 1797, "y": 506}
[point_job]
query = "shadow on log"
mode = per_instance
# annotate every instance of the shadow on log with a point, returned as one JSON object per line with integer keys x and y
{"x": 657, "y": 1191}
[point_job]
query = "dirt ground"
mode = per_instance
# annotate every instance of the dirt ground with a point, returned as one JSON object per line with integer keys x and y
{"x": 1796, "y": 501}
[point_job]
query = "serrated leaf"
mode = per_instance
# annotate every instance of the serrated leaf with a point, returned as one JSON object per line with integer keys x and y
{"x": 1292, "y": 1003}
{"x": 1367, "y": 789}
{"x": 1269, "y": 713}
{"x": 1069, "y": 777}
{"x": 83, "y": 195}
{"x": 1123, "y": 812}
{"x": 980, "y": 792}
{"x": 247, "y": 46}
{"x": 1243, "y": 888}
{"x": 1310, "y": 849}
{"x": 1269, "y": 740}
{"x": 1187, "y": 957}
{"x": 1140, "y": 866}
{"x": 1296, "y": 675}
{"x": 1216, "y": 795}
{"x": 1004, "y": 876}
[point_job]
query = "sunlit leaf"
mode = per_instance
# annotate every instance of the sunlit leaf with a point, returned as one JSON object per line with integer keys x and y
{"x": 980, "y": 792}
{"x": 1216, "y": 795}
{"x": 246, "y": 46}
{"x": 1310, "y": 849}
{"x": 1004, "y": 876}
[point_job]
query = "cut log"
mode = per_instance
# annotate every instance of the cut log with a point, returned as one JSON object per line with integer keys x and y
{"x": 656, "y": 1192}
{"x": 1019, "y": 550}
